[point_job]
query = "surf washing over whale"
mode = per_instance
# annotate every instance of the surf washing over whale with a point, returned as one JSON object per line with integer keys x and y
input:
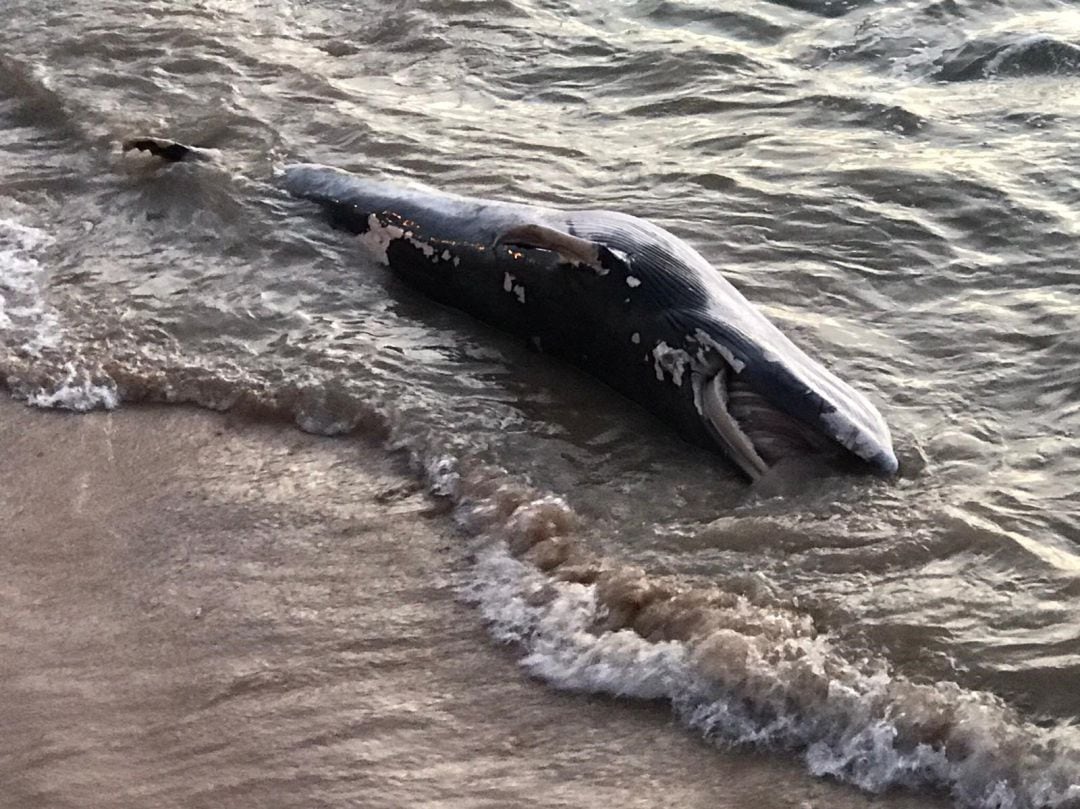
{"x": 618, "y": 296}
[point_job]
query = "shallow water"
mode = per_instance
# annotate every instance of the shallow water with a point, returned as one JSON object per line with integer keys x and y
{"x": 894, "y": 184}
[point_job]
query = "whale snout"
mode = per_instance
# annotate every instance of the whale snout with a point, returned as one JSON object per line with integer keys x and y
{"x": 767, "y": 407}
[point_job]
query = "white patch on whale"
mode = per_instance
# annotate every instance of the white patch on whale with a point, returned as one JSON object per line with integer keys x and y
{"x": 632, "y": 281}
{"x": 510, "y": 286}
{"x": 672, "y": 360}
{"x": 429, "y": 250}
{"x": 736, "y": 364}
{"x": 378, "y": 237}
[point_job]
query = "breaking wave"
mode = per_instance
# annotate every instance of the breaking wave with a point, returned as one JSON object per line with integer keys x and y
{"x": 31, "y": 330}
{"x": 25, "y": 319}
{"x": 1026, "y": 55}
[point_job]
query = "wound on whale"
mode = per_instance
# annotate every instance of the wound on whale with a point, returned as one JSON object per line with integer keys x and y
{"x": 618, "y": 296}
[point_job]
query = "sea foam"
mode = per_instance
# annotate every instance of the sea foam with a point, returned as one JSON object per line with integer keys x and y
{"x": 26, "y": 321}
{"x": 30, "y": 330}
{"x": 749, "y": 674}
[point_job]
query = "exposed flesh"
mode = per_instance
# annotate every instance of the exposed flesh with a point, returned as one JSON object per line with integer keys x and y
{"x": 573, "y": 250}
{"x": 725, "y": 430}
{"x": 753, "y": 433}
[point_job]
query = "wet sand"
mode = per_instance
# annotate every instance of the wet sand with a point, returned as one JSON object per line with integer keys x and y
{"x": 202, "y": 611}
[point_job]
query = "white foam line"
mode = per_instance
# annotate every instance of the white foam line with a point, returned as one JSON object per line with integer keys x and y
{"x": 23, "y": 310}
{"x": 849, "y": 719}
{"x": 77, "y": 392}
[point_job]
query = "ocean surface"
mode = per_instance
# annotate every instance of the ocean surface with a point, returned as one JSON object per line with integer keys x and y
{"x": 896, "y": 184}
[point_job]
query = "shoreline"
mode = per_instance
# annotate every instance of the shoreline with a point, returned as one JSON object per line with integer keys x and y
{"x": 202, "y": 609}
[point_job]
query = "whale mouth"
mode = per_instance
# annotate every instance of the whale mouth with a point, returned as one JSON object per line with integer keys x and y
{"x": 750, "y": 430}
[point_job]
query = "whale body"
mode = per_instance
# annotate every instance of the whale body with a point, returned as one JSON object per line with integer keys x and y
{"x": 618, "y": 296}
{"x": 623, "y": 299}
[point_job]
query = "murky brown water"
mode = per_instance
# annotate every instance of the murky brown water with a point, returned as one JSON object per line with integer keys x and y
{"x": 893, "y": 183}
{"x": 202, "y": 612}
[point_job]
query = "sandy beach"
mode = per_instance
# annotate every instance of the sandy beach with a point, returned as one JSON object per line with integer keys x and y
{"x": 204, "y": 611}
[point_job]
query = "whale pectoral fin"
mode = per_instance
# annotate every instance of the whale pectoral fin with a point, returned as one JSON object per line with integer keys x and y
{"x": 170, "y": 150}
{"x": 572, "y": 249}
{"x": 712, "y": 403}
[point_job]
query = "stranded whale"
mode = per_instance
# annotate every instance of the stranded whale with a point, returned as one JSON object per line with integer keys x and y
{"x": 618, "y": 296}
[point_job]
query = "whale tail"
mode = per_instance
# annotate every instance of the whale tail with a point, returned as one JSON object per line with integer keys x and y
{"x": 168, "y": 150}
